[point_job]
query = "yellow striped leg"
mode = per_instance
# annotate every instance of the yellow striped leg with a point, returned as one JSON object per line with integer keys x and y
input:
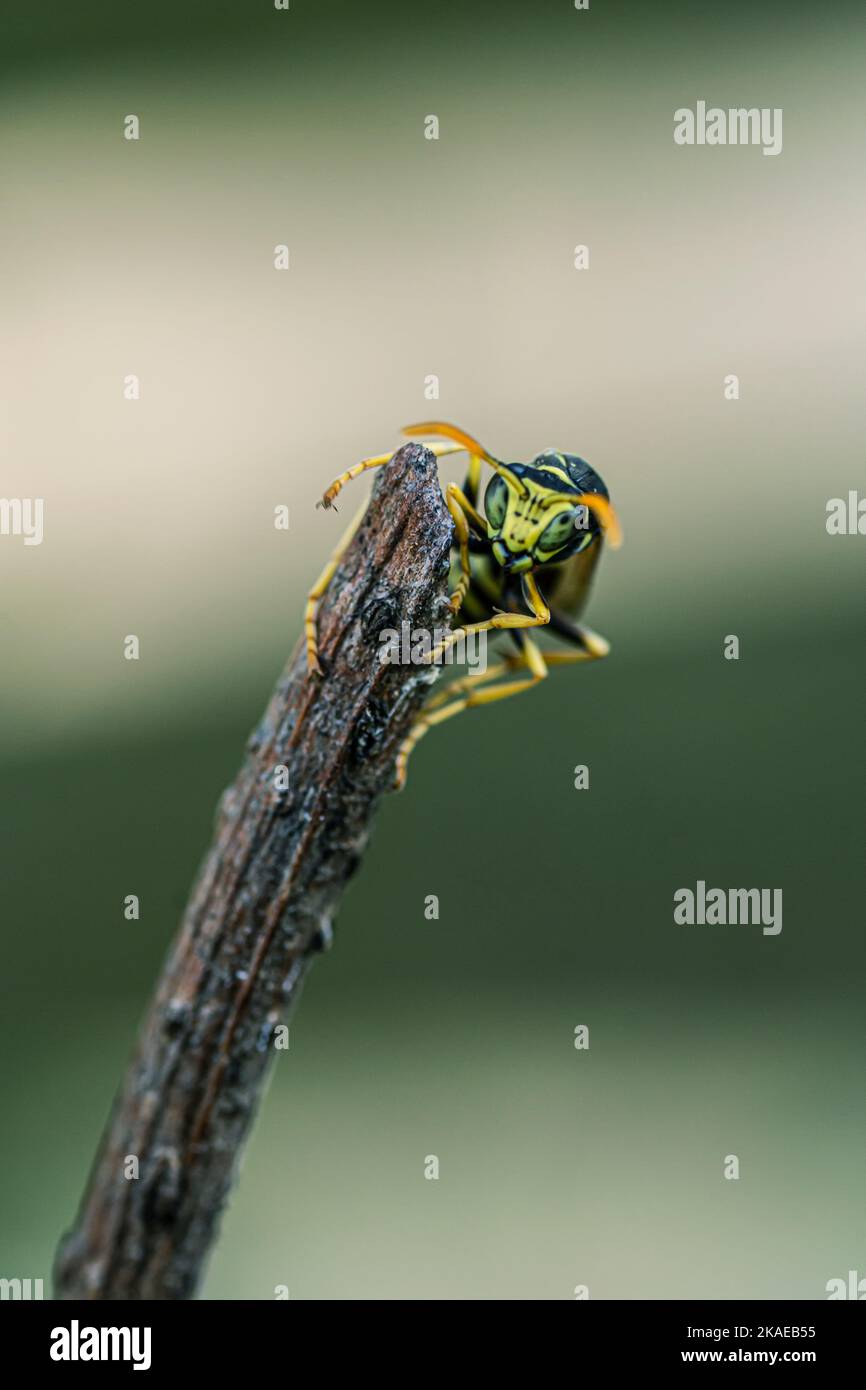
{"x": 437, "y": 710}
{"x": 473, "y": 479}
{"x": 376, "y": 461}
{"x": 454, "y": 500}
{"x": 472, "y": 695}
{"x": 539, "y": 617}
{"x": 318, "y": 590}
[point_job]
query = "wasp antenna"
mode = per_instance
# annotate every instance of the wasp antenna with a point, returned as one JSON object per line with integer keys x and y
{"x": 606, "y": 515}
{"x": 450, "y": 432}
{"x": 472, "y": 446}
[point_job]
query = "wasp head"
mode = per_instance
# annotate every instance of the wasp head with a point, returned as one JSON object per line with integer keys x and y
{"x": 536, "y": 518}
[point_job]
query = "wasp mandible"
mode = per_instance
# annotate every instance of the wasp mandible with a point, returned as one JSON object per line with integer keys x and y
{"x": 527, "y": 562}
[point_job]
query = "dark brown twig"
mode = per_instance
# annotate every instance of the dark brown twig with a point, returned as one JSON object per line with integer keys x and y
{"x": 262, "y": 907}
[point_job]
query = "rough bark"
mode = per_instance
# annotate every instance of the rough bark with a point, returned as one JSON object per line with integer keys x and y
{"x": 262, "y": 907}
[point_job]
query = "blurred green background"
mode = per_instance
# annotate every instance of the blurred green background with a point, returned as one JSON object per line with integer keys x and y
{"x": 455, "y": 258}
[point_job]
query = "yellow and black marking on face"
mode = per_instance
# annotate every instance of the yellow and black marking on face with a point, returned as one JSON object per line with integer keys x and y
{"x": 533, "y": 513}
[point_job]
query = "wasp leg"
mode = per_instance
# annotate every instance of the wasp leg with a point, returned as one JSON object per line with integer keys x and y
{"x": 591, "y": 644}
{"x": 464, "y": 515}
{"x": 591, "y": 648}
{"x": 324, "y": 579}
{"x": 315, "y": 595}
{"x": 539, "y": 617}
{"x": 376, "y": 461}
{"x": 509, "y": 663}
{"x": 475, "y": 519}
{"x": 461, "y": 527}
{"x": 471, "y": 696}
{"x": 473, "y": 481}
{"x": 476, "y": 452}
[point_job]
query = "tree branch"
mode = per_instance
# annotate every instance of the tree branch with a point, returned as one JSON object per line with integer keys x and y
{"x": 263, "y": 904}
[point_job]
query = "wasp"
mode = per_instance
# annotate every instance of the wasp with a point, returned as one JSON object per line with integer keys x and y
{"x": 528, "y": 562}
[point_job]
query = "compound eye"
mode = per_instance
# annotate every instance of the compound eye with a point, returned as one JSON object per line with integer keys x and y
{"x": 496, "y": 502}
{"x": 558, "y": 532}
